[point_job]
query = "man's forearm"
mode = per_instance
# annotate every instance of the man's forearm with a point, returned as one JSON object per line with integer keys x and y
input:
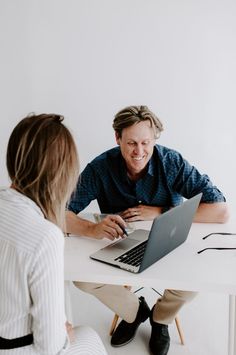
{"x": 111, "y": 227}
{"x": 76, "y": 225}
{"x": 212, "y": 213}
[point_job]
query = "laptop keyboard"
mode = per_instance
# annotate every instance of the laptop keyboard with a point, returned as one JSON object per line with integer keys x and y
{"x": 134, "y": 256}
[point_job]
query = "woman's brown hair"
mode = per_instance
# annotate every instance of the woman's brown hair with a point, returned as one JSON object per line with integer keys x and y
{"x": 42, "y": 163}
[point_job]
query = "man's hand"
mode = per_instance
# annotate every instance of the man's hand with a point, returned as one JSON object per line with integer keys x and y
{"x": 141, "y": 213}
{"x": 111, "y": 227}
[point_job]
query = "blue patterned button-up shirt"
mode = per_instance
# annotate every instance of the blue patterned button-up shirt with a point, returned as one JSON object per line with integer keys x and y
{"x": 168, "y": 179}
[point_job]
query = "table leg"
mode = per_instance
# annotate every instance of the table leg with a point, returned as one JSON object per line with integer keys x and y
{"x": 232, "y": 323}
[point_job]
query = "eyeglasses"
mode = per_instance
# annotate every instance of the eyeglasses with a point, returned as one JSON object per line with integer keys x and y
{"x": 216, "y": 248}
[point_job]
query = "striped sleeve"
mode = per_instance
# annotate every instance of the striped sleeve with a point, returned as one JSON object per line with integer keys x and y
{"x": 46, "y": 283}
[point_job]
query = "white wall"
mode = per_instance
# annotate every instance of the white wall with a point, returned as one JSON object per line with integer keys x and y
{"x": 87, "y": 59}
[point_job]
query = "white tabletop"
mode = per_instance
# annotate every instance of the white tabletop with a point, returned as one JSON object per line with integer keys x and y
{"x": 183, "y": 268}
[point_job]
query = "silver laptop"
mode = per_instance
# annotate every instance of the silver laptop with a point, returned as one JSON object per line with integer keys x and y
{"x": 142, "y": 248}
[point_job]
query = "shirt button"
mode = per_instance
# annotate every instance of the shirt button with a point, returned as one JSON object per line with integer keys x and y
{"x": 139, "y": 201}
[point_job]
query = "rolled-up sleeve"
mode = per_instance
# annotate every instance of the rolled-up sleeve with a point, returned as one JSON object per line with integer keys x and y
{"x": 185, "y": 179}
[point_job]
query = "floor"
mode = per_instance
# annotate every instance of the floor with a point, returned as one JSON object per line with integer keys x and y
{"x": 204, "y": 322}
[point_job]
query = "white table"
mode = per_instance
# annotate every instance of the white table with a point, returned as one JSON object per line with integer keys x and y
{"x": 184, "y": 269}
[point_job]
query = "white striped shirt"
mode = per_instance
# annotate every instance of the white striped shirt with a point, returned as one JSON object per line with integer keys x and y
{"x": 31, "y": 276}
{"x": 32, "y": 282}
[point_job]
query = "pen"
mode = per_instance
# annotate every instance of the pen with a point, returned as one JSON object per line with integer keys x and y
{"x": 124, "y": 230}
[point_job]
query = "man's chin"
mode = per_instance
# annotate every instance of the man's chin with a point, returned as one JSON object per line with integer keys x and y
{"x": 138, "y": 168}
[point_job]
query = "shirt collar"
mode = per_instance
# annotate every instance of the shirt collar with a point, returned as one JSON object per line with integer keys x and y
{"x": 150, "y": 168}
{"x": 123, "y": 169}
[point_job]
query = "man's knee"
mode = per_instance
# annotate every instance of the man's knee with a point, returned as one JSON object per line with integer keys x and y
{"x": 87, "y": 287}
{"x": 181, "y": 296}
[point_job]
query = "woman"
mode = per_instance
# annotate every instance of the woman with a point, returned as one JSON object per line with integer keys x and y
{"x": 42, "y": 164}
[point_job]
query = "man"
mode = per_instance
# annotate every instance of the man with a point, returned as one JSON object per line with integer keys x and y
{"x": 139, "y": 180}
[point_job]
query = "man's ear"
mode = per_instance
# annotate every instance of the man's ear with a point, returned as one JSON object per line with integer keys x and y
{"x": 117, "y": 138}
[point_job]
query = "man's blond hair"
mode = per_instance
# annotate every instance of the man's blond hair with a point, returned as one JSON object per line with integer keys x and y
{"x": 134, "y": 114}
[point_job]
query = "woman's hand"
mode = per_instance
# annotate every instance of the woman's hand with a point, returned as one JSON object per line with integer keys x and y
{"x": 70, "y": 331}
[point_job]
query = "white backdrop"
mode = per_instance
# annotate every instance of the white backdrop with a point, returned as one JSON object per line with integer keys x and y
{"x": 86, "y": 59}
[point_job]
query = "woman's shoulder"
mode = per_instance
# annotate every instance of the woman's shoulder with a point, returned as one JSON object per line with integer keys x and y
{"x": 25, "y": 228}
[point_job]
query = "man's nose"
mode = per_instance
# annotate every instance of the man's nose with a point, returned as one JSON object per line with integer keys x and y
{"x": 138, "y": 149}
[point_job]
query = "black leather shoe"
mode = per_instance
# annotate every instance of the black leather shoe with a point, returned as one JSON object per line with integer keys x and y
{"x": 125, "y": 331}
{"x": 160, "y": 340}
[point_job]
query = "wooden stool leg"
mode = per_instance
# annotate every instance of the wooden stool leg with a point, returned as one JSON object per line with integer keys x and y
{"x": 116, "y": 317}
{"x": 114, "y": 323}
{"x": 181, "y": 335}
{"x": 179, "y": 329}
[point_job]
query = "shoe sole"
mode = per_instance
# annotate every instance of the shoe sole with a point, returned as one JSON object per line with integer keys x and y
{"x": 154, "y": 354}
{"x": 127, "y": 342}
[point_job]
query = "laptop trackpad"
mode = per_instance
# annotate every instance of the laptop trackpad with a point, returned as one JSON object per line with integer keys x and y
{"x": 124, "y": 244}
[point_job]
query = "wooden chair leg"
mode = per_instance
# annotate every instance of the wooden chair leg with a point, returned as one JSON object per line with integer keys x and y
{"x": 179, "y": 329}
{"x": 114, "y": 323}
{"x": 116, "y": 317}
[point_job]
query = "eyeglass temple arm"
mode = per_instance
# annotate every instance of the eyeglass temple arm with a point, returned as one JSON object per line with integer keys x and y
{"x": 220, "y": 233}
{"x": 200, "y": 251}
